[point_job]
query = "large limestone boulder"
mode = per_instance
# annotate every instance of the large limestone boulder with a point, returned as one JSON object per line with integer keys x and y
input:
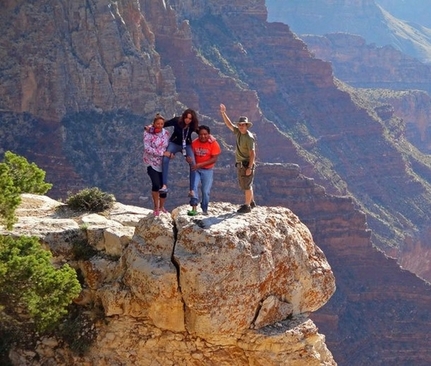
{"x": 238, "y": 272}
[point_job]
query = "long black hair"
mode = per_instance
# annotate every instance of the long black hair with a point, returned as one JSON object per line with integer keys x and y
{"x": 194, "y": 124}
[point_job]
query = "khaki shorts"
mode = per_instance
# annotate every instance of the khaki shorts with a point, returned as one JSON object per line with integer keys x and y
{"x": 245, "y": 181}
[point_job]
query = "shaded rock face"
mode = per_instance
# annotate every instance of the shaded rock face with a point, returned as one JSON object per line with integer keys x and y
{"x": 233, "y": 289}
{"x": 83, "y": 54}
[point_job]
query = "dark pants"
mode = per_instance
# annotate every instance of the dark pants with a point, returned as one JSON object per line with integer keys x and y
{"x": 156, "y": 180}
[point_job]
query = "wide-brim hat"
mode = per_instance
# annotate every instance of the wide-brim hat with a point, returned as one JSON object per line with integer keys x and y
{"x": 245, "y": 120}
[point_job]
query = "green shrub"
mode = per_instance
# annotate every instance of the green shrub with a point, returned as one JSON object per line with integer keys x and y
{"x": 32, "y": 290}
{"x": 18, "y": 176}
{"x": 9, "y": 198}
{"x": 91, "y": 199}
{"x": 27, "y": 177}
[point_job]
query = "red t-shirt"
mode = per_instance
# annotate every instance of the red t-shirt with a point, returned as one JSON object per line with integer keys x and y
{"x": 204, "y": 151}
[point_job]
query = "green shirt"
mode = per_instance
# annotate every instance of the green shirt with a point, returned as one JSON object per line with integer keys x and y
{"x": 244, "y": 143}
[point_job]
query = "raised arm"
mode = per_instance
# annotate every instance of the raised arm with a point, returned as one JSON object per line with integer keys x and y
{"x": 226, "y": 119}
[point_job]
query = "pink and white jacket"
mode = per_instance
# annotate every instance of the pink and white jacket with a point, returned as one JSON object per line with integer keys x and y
{"x": 155, "y": 145}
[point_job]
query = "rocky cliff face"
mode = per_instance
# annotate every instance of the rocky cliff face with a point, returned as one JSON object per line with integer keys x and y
{"x": 372, "y": 291}
{"x": 398, "y": 88}
{"x": 366, "y": 66}
{"x": 72, "y": 56}
{"x": 211, "y": 290}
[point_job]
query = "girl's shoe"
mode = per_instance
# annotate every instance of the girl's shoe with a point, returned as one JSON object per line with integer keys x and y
{"x": 156, "y": 212}
{"x": 164, "y": 210}
{"x": 192, "y": 213}
{"x": 163, "y": 190}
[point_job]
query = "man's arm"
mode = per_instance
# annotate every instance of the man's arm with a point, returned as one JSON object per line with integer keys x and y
{"x": 211, "y": 160}
{"x": 252, "y": 158}
{"x": 251, "y": 162}
{"x": 226, "y": 119}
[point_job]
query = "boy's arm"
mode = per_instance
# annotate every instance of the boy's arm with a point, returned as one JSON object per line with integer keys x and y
{"x": 226, "y": 119}
{"x": 252, "y": 160}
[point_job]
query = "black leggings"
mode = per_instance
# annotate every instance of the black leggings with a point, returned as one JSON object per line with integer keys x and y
{"x": 156, "y": 180}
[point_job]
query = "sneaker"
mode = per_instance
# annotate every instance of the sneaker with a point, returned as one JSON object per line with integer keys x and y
{"x": 164, "y": 210}
{"x": 156, "y": 212}
{"x": 252, "y": 204}
{"x": 192, "y": 213}
{"x": 244, "y": 209}
{"x": 163, "y": 190}
{"x": 205, "y": 213}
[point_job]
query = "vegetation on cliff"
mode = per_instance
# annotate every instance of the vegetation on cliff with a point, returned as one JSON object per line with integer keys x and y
{"x": 18, "y": 176}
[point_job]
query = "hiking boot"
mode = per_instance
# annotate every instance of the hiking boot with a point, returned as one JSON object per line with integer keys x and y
{"x": 252, "y": 204}
{"x": 244, "y": 209}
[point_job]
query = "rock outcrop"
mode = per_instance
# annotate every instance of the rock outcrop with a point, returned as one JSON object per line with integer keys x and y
{"x": 207, "y": 290}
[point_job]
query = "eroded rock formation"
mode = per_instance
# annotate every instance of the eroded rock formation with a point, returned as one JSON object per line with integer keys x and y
{"x": 207, "y": 290}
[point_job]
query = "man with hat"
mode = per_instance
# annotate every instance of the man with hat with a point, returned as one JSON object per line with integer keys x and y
{"x": 245, "y": 157}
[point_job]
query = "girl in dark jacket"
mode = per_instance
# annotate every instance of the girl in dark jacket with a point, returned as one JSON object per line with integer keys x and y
{"x": 180, "y": 141}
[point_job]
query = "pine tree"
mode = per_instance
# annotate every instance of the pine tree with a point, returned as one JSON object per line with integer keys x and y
{"x": 18, "y": 176}
{"x": 9, "y": 197}
{"x": 28, "y": 177}
{"x": 32, "y": 291}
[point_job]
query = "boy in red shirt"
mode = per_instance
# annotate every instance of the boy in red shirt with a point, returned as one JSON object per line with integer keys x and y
{"x": 206, "y": 151}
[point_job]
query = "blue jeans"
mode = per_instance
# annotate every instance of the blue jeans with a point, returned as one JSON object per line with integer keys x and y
{"x": 205, "y": 177}
{"x": 174, "y": 148}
